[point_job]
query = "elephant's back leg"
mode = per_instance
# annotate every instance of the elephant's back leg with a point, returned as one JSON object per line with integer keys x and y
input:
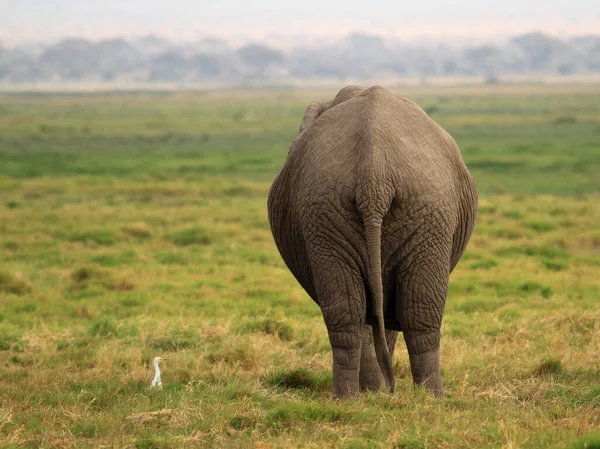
{"x": 335, "y": 255}
{"x": 421, "y": 288}
{"x": 341, "y": 295}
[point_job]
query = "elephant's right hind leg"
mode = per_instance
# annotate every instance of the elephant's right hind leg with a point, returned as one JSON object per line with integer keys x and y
{"x": 422, "y": 300}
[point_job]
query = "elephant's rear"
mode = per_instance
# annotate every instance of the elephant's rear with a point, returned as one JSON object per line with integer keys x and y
{"x": 372, "y": 192}
{"x": 381, "y": 156}
{"x": 372, "y": 158}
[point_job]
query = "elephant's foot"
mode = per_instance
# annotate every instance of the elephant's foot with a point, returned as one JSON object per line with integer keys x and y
{"x": 345, "y": 372}
{"x": 425, "y": 370}
{"x": 345, "y": 383}
{"x": 424, "y": 352}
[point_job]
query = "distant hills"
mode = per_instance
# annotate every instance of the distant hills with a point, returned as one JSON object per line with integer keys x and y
{"x": 154, "y": 59}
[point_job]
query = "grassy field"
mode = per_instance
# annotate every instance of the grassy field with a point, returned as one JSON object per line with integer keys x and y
{"x": 134, "y": 225}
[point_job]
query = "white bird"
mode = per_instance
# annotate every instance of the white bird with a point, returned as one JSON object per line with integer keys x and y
{"x": 157, "y": 382}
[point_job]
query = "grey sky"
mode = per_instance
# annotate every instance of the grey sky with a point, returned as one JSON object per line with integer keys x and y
{"x": 184, "y": 19}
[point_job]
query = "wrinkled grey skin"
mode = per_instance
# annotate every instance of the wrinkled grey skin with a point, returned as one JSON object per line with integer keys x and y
{"x": 371, "y": 212}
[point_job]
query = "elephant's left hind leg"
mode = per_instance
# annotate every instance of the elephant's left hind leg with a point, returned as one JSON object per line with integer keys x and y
{"x": 341, "y": 294}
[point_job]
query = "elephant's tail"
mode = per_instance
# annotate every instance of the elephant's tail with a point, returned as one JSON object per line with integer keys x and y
{"x": 373, "y": 234}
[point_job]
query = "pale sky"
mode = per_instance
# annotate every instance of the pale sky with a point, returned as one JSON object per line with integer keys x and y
{"x": 26, "y": 20}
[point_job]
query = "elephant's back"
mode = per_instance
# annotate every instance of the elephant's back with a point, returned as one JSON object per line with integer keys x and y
{"x": 377, "y": 134}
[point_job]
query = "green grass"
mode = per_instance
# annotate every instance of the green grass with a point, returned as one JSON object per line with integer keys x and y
{"x": 133, "y": 226}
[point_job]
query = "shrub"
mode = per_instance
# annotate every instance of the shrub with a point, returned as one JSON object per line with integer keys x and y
{"x": 190, "y": 236}
{"x": 565, "y": 120}
{"x": 549, "y": 367}
{"x": 14, "y": 283}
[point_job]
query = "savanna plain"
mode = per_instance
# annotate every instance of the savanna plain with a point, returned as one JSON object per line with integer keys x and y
{"x": 134, "y": 225}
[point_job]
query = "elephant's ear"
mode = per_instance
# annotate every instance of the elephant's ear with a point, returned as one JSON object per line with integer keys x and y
{"x": 313, "y": 110}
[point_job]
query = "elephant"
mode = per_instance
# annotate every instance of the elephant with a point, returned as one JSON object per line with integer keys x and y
{"x": 371, "y": 212}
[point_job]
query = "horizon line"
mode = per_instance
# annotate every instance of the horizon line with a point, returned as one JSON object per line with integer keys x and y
{"x": 482, "y": 35}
